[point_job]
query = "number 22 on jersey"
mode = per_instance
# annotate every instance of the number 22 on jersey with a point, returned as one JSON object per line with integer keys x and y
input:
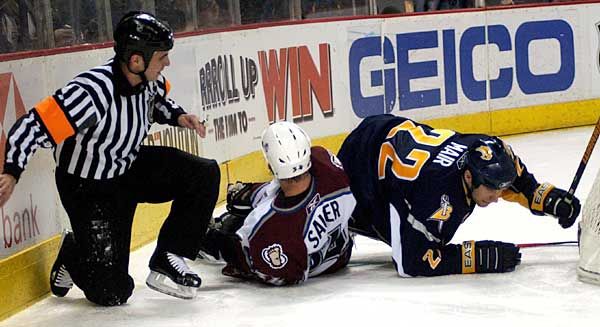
{"x": 401, "y": 169}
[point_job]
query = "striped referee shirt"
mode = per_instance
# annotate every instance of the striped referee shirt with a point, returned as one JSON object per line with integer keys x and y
{"x": 96, "y": 124}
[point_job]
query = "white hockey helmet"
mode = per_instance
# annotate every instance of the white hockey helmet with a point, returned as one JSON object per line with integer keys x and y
{"x": 287, "y": 149}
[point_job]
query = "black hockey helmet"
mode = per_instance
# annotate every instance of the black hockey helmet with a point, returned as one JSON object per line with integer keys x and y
{"x": 490, "y": 164}
{"x": 141, "y": 33}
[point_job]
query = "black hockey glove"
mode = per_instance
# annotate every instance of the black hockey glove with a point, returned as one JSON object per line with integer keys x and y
{"x": 220, "y": 229}
{"x": 217, "y": 245}
{"x": 565, "y": 207}
{"x": 228, "y": 223}
{"x": 239, "y": 200}
{"x": 490, "y": 257}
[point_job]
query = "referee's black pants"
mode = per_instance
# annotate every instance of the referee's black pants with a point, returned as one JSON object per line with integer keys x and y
{"x": 101, "y": 215}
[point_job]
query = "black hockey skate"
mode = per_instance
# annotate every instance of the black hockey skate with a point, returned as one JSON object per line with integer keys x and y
{"x": 170, "y": 274}
{"x": 60, "y": 279}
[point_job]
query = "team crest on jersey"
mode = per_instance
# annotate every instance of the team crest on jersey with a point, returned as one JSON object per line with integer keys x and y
{"x": 443, "y": 213}
{"x": 445, "y": 210}
{"x": 314, "y": 202}
{"x": 273, "y": 255}
{"x": 486, "y": 152}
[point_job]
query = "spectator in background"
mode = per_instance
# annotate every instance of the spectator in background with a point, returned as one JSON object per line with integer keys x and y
{"x": 64, "y": 36}
{"x": 457, "y": 4}
{"x": 433, "y": 5}
{"x": 275, "y": 10}
{"x": 419, "y": 5}
{"x": 251, "y": 11}
{"x": 267, "y": 13}
{"x": 8, "y": 33}
{"x": 169, "y": 10}
{"x": 389, "y": 10}
{"x": 90, "y": 31}
{"x": 385, "y": 7}
{"x": 320, "y": 8}
{"x": 210, "y": 14}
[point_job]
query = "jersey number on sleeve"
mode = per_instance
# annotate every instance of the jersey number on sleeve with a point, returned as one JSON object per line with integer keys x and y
{"x": 404, "y": 170}
{"x": 432, "y": 259}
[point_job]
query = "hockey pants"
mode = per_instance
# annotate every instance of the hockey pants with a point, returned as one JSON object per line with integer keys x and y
{"x": 101, "y": 214}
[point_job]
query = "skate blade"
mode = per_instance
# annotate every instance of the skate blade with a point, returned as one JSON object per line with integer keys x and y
{"x": 160, "y": 283}
{"x": 587, "y": 276}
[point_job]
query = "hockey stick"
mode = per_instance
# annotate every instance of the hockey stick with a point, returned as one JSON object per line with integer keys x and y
{"x": 584, "y": 161}
{"x": 536, "y": 245}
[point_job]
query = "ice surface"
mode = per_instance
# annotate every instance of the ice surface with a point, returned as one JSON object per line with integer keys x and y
{"x": 543, "y": 291}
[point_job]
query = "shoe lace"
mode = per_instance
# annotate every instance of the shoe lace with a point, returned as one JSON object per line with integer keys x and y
{"x": 179, "y": 264}
{"x": 63, "y": 278}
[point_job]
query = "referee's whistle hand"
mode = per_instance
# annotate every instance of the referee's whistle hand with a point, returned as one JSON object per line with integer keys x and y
{"x": 7, "y": 186}
{"x": 191, "y": 121}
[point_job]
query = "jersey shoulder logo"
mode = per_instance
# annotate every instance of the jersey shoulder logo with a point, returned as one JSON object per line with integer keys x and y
{"x": 486, "y": 152}
{"x": 273, "y": 255}
{"x": 445, "y": 210}
{"x": 313, "y": 203}
{"x": 442, "y": 214}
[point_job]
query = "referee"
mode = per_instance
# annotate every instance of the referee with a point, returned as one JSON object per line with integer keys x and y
{"x": 96, "y": 125}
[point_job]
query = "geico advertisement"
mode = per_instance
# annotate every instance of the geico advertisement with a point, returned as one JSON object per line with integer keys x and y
{"x": 463, "y": 62}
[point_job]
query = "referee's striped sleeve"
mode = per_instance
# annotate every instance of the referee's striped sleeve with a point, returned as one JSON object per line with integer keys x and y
{"x": 52, "y": 120}
{"x": 23, "y": 139}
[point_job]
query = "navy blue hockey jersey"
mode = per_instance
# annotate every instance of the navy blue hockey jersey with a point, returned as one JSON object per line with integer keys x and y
{"x": 410, "y": 190}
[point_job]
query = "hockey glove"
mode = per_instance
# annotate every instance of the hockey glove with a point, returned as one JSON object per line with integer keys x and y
{"x": 562, "y": 205}
{"x": 228, "y": 223}
{"x": 239, "y": 198}
{"x": 489, "y": 257}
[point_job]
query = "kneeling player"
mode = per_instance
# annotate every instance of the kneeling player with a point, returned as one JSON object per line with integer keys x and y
{"x": 415, "y": 185}
{"x": 294, "y": 227}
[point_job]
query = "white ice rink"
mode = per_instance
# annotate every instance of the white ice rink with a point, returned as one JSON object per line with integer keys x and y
{"x": 543, "y": 291}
